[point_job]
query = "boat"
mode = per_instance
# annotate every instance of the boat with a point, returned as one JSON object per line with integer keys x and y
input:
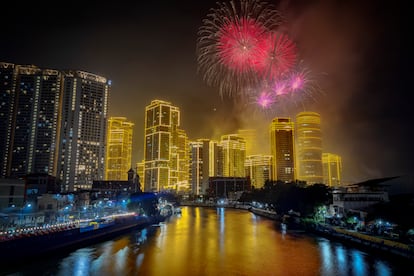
{"x": 29, "y": 245}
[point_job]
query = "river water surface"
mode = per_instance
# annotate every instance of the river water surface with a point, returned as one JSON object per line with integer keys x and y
{"x": 215, "y": 241}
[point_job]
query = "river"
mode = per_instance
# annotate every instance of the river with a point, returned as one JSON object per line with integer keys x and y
{"x": 215, "y": 241}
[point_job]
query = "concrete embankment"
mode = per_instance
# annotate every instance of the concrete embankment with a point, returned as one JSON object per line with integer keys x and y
{"x": 378, "y": 244}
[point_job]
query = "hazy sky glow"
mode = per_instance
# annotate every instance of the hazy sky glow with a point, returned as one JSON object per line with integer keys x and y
{"x": 353, "y": 50}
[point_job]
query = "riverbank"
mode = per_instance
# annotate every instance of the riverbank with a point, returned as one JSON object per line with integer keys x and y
{"x": 41, "y": 244}
{"x": 362, "y": 240}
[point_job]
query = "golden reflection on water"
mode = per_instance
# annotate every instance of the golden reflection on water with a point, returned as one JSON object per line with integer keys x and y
{"x": 206, "y": 241}
{"x": 210, "y": 241}
{"x": 215, "y": 241}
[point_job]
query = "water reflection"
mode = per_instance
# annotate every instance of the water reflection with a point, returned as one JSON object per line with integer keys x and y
{"x": 339, "y": 260}
{"x": 207, "y": 241}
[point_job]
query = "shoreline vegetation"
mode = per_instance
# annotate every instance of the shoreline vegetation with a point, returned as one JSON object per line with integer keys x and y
{"x": 375, "y": 244}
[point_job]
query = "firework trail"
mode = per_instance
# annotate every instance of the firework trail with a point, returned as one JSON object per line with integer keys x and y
{"x": 232, "y": 44}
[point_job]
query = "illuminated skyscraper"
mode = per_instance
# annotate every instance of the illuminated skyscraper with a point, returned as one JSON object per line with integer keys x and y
{"x": 234, "y": 155}
{"x": 30, "y": 106}
{"x": 309, "y": 147}
{"x": 196, "y": 167}
{"x": 8, "y": 73}
{"x": 205, "y": 162}
{"x": 282, "y": 149}
{"x": 179, "y": 177}
{"x": 332, "y": 169}
{"x": 118, "y": 148}
{"x": 259, "y": 168}
{"x": 165, "y": 148}
{"x": 83, "y": 129}
{"x": 140, "y": 171}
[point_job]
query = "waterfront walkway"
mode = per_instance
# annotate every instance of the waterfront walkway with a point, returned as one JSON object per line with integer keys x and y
{"x": 368, "y": 241}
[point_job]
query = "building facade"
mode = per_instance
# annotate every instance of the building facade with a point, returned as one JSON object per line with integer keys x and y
{"x": 83, "y": 130}
{"x": 282, "y": 148}
{"x": 234, "y": 155}
{"x": 259, "y": 169}
{"x": 31, "y": 103}
{"x": 332, "y": 169}
{"x": 118, "y": 148}
{"x": 309, "y": 147}
{"x": 206, "y": 158}
{"x": 7, "y": 95}
{"x": 165, "y": 147}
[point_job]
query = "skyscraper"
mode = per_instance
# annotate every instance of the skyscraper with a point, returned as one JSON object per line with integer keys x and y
{"x": 205, "y": 161}
{"x": 196, "y": 167}
{"x": 164, "y": 148}
{"x": 259, "y": 168}
{"x": 332, "y": 169}
{"x": 8, "y": 73}
{"x": 83, "y": 129}
{"x": 31, "y": 119}
{"x": 118, "y": 148}
{"x": 282, "y": 149}
{"x": 234, "y": 155}
{"x": 309, "y": 147}
{"x": 180, "y": 161}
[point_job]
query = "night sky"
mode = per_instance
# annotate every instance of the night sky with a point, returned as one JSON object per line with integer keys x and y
{"x": 148, "y": 50}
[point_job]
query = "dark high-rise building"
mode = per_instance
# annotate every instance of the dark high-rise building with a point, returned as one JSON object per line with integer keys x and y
{"x": 83, "y": 130}
{"x": 282, "y": 149}
{"x": 7, "y": 83}
{"x": 54, "y": 123}
{"x": 31, "y": 127}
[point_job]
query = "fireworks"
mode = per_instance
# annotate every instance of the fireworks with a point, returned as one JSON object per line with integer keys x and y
{"x": 295, "y": 87}
{"x": 231, "y": 43}
{"x": 241, "y": 51}
{"x": 278, "y": 55}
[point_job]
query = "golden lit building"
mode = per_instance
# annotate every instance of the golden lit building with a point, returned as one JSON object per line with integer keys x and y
{"x": 259, "y": 169}
{"x": 179, "y": 161}
{"x": 234, "y": 155}
{"x": 140, "y": 172}
{"x": 309, "y": 147}
{"x": 205, "y": 162}
{"x": 118, "y": 148}
{"x": 282, "y": 148}
{"x": 165, "y": 148}
{"x": 196, "y": 167}
{"x": 332, "y": 169}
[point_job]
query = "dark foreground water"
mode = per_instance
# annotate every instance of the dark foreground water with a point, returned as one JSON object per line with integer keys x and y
{"x": 206, "y": 241}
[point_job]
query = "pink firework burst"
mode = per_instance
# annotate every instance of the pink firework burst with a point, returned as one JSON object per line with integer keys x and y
{"x": 265, "y": 100}
{"x": 280, "y": 87}
{"x": 297, "y": 81}
{"x": 229, "y": 41}
{"x": 239, "y": 44}
{"x": 277, "y": 55}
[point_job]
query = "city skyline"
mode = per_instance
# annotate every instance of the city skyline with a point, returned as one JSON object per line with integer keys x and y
{"x": 148, "y": 51}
